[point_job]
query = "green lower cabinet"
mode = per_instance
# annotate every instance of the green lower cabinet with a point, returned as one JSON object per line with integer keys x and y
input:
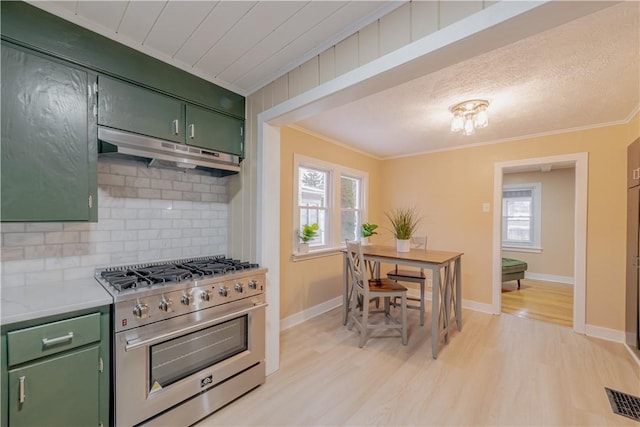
{"x": 213, "y": 131}
{"x": 59, "y": 391}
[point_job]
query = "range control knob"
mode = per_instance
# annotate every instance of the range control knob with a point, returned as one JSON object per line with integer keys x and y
{"x": 166, "y": 305}
{"x": 238, "y": 287}
{"x": 141, "y": 311}
{"x": 205, "y": 295}
{"x": 223, "y": 291}
{"x": 186, "y": 299}
{"x": 253, "y": 284}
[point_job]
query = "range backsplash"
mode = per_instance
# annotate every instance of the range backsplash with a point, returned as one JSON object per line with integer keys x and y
{"x": 145, "y": 214}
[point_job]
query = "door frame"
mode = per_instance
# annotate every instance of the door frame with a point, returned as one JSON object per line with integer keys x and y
{"x": 580, "y": 161}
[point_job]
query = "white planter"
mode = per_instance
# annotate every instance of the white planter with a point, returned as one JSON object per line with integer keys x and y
{"x": 403, "y": 245}
{"x": 364, "y": 241}
{"x": 303, "y": 248}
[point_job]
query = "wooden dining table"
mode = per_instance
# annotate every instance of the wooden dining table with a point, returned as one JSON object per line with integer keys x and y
{"x": 446, "y": 269}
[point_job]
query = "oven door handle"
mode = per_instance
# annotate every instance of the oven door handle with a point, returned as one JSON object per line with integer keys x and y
{"x": 136, "y": 343}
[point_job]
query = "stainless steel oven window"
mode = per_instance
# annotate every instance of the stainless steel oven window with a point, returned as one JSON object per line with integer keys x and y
{"x": 180, "y": 357}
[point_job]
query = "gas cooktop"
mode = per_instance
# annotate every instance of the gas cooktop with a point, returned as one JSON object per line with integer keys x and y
{"x": 130, "y": 277}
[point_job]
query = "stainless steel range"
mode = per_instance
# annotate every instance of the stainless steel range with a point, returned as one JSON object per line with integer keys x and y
{"x": 189, "y": 337}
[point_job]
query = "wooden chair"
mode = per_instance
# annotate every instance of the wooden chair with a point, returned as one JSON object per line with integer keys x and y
{"x": 413, "y": 276}
{"x": 365, "y": 289}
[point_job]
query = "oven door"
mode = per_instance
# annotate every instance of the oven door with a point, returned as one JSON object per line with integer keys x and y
{"x": 160, "y": 365}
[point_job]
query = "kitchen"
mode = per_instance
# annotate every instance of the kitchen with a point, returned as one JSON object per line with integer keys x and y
{"x": 72, "y": 237}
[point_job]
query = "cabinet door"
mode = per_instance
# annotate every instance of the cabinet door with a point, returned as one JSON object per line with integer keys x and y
{"x": 48, "y": 165}
{"x": 213, "y": 131}
{"x": 132, "y": 108}
{"x": 59, "y": 391}
{"x": 633, "y": 164}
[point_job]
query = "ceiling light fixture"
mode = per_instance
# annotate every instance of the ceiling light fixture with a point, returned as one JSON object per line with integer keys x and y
{"x": 469, "y": 116}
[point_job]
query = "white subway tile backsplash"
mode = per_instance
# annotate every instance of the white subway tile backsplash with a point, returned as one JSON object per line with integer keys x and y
{"x": 146, "y": 214}
{"x": 62, "y": 237}
{"x": 61, "y": 263}
{"x": 122, "y": 169}
{"x": 43, "y": 251}
{"x": 73, "y": 249}
{"x": 95, "y": 236}
{"x": 13, "y": 280}
{"x": 149, "y": 193}
{"x": 22, "y": 266}
{"x": 43, "y": 226}
{"x": 22, "y": 239}
{"x": 109, "y": 247}
{"x": 8, "y": 227}
{"x": 171, "y": 195}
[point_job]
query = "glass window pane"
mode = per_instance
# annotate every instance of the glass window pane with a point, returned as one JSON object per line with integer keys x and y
{"x": 518, "y": 230}
{"x": 350, "y": 225}
{"x": 349, "y": 192}
{"x": 312, "y": 187}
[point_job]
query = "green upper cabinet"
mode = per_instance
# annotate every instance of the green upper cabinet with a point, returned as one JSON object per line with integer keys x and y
{"x": 128, "y": 107}
{"x": 49, "y": 154}
{"x": 210, "y": 130}
{"x": 132, "y": 108}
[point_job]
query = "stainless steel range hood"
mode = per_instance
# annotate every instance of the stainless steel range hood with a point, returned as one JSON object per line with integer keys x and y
{"x": 165, "y": 153}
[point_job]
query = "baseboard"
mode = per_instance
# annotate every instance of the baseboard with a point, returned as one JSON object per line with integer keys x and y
{"x": 310, "y": 313}
{"x": 550, "y": 278}
{"x": 634, "y": 355}
{"x": 605, "y": 333}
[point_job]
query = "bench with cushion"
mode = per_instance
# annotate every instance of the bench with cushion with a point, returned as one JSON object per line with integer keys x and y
{"x": 513, "y": 269}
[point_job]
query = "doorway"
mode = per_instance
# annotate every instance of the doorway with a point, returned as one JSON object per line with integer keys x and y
{"x": 537, "y": 243}
{"x": 579, "y": 161}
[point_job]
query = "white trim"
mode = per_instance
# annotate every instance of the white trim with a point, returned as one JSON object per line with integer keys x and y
{"x": 604, "y": 333}
{"x": 478, "y": 306}
{"x": 532, "y": 250}
{"x": 550, "y": 278}
{"x": 310, "y": 313}
{"x": 580, "y": 162}
{"x": 269, "y": 239}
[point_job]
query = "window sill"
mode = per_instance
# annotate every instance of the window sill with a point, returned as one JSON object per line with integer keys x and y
{"x": 312, "y": 254}
{"x": 529, "y": 249}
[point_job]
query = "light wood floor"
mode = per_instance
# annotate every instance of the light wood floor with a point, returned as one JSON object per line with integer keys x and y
{"x": 547, "y": 301}
{"x": 499, "y": 370}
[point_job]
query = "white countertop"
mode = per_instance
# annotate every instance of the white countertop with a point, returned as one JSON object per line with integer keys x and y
{"x": 32, "y": 302}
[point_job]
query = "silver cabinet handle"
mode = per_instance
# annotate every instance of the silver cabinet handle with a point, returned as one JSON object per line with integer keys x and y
{"x": 192, "y": 131}
{"x": 176, "y": 127}
{"x": 21, "y": 394}
{"x": 52, "y": 341}
{"x": 636, "y": 173}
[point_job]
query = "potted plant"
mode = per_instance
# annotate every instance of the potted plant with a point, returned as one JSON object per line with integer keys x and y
{"x": 367, "y": 231}
{"x": 308, "y": 232}
{"x": 403, "y": 224}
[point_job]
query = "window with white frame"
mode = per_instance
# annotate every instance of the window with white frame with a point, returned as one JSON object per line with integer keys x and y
{"x": 521, "y": 217}
{"x": 331, "y": 195}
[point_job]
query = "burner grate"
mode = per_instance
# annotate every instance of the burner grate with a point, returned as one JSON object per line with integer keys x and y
{"x": 624, "y": 404}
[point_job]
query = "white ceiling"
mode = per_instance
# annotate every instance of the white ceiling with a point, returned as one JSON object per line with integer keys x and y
{"x": 581, "y": 74}
{"x": 239, "y": 45}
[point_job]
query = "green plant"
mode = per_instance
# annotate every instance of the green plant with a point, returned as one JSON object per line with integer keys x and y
{"x": 368, "y": 229}
{"x": 403, "y": 222}
{"x": 308, "y": 232}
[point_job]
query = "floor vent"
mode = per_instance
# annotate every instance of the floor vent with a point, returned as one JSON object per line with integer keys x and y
{"x": 624, "y": 404}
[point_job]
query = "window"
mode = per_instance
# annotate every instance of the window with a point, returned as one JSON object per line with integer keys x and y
{"x": 332, "y": 196}
{"x": 521, "y": 217}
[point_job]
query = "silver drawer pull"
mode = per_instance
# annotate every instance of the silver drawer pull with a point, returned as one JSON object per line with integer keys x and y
{"x": 53, "y": 341}
{"x": 176, "y": 128}
{"x": 21, "y": 394}
{"x": 192, "y": 131}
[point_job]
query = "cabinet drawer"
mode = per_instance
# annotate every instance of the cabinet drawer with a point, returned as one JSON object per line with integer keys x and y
{"x": 38, "y": 341}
